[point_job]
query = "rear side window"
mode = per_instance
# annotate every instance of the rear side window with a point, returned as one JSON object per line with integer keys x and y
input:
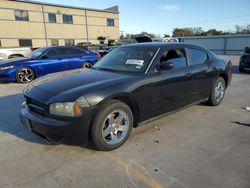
{"x": 197, "y": 56}
{"x": 70, "y": 51}
{"x": 52, "y": 53}
{"x": 175, "y": 56}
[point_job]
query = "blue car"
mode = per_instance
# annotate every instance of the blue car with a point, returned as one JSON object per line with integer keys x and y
{"x": 45, "y": 61}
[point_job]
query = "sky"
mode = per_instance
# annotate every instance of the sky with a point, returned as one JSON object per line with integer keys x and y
{"x": 161, "y": 16}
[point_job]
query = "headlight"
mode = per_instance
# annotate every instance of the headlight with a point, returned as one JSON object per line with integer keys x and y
{"x": 71, "y": 109}
{"x": 5, "y": 68}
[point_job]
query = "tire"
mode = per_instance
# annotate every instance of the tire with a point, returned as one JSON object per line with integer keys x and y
{"x": 241, "y": 69}
{"x": 87, "y": 65}
{"x": 25, "y": 75}
{"x": 14, "y": 56}
{"x": 108, "y": 132}
{"x": 218, "y": 92}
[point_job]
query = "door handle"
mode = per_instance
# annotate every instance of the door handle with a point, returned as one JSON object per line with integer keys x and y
{"x": 188, "y": 74}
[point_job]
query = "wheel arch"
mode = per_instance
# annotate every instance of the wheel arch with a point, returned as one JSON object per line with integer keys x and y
{"x": 225, "y": 77}
{"x": 18, "y": 55}
{"x": 25, "y": 66}
{"x": 129, "y": 100}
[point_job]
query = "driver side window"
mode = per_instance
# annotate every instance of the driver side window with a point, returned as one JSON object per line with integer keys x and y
{"x": 176, "y": 57}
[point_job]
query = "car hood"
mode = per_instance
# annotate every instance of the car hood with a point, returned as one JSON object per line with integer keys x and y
{"x": 14, "y": 61}
{"x": 73, "y": 84}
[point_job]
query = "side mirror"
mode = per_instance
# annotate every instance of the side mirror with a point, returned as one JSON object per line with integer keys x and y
{"x": 166, "y": 65}
{"x": 44, "y": 57}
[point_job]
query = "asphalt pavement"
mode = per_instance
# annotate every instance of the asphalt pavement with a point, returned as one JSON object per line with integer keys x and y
{"x": 200, "y": 146}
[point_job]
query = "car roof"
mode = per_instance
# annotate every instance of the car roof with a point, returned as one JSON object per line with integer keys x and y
{"x": 54, "y": 47}
{"x": 163, "y": 45}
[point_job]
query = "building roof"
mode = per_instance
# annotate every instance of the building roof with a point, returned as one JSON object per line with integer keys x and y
{"x": 110, "y": 10}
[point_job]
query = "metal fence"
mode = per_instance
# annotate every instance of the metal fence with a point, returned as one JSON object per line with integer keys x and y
{"x": 222, "y": 45}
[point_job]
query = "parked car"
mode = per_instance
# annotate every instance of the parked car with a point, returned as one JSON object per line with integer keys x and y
{"x": 104, "y": 50}
{"x": 9, "y": 53}
{"x": 130, "y": 85}
{"x": 45, "y": 61}
{"x": 244, "y": 63}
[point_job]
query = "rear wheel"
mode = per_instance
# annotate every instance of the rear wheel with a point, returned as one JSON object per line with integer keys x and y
{"x": 14, "y": 56}
{"x": 241, "y": 69}
{"x": 218, "y": 92}
{"x": 87, "y": 65}
{"x": 25, "y": 75}
{"x": 112, "y": 125}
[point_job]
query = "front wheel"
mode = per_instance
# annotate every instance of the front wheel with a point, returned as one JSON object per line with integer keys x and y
{"x": 112, "y": 125}
{"x": 25, "y": 75}
{"x": 87, "y": 65}
{"x": 218, "y": 92}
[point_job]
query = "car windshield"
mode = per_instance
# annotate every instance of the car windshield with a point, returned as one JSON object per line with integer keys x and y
{"x": 127, "y": 59}
{"x": 36, "y": 53}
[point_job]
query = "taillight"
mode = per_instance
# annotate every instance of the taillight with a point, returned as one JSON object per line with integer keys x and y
{"x": 98, "y": 56}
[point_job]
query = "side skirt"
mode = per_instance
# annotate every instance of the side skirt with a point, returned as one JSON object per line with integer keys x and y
{"x": 170, "y": 112}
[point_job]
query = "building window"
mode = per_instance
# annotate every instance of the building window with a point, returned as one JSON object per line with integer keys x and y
{"x": 69, "y": 42}
{"x": 110, "y": 22}
{"x": 54, "y": 42}
{"x": 25, "y": 42}
{"x": 21, "y": 15}
{"x": 52, "y": 18}
{"x": 67, "y": 19}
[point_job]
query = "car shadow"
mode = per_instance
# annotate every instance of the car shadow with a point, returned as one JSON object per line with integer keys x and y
{"x": 11, "y": 124}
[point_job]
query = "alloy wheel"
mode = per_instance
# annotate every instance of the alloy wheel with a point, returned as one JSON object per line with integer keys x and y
{"x": 219, "y": 91}
{"x": 115, "y": 127}
{"x": 25, "y": 75}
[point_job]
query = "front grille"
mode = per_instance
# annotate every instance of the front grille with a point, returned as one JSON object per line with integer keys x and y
{"x": 245, "y": 59}
{"x": 36, "y": 106}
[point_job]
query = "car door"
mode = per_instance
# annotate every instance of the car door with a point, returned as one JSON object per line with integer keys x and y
{"x": 202, "y": 77}
{"x": 51, "y": 62}
{"x": 171, "y": 88}
{"x": 71, "y": 58}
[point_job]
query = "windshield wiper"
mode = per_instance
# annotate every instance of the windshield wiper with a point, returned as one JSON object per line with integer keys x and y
{"x": 105, "y": 69}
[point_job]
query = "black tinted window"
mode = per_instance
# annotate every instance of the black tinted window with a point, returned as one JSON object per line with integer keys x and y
{"x": 54, "y": 42}
{"x": 67, "y": 19}
{"x": 175, "y": 56}
{"x": 21, "y": 15}
{"x": 197, "y": 56}
{"x": 70, "y": 51}
{"x": 52, "y": 53}
{"x": 110, "y": 22}
{"x": 25, "y": 42}
{"x": 69, "y": 42}
{"x": 52, "y": 18}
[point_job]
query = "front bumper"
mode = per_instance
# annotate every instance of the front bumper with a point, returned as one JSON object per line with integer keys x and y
{"x": 244, "y": 65}
{"x": 72, "y": 131}
{"x": 4, "y": 78}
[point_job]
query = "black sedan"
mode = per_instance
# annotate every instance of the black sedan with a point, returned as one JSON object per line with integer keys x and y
{"x": 130, "y": 85}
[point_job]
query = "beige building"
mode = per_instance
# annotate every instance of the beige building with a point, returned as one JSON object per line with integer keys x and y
{"x": 32, "y": 23}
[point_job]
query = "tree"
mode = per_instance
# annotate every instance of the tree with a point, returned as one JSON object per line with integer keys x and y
{"x": 166, "y": 36}
{"x": 214, "y": 32}
{"x": 242, "y": 29}
{"x": 122, "y": 36}
{"x": 181, "y": 32}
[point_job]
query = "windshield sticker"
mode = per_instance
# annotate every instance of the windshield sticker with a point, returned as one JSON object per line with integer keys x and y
{"x": 135, "y": 62}
{"x": 138, "y": 67}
